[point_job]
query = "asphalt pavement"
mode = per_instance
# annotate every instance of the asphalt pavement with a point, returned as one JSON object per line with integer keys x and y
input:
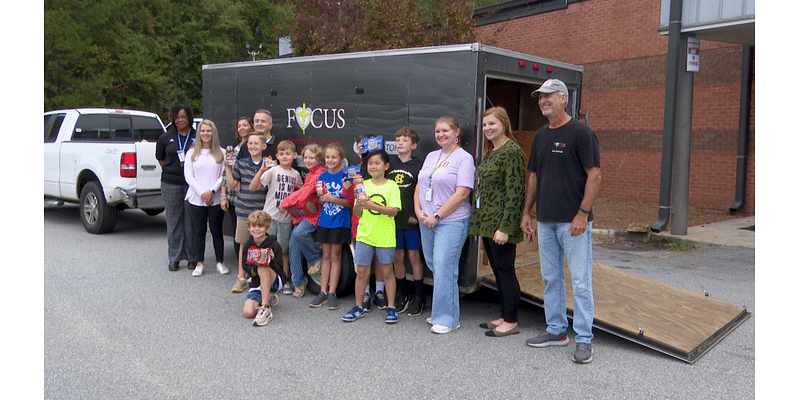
{"x": 118, "y": 324}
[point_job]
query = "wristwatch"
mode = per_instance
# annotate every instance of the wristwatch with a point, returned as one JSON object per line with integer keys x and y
{"x": 437, "y": 216}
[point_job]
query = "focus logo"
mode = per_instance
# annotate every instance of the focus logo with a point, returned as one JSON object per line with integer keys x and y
{"x": 317, "y": 118}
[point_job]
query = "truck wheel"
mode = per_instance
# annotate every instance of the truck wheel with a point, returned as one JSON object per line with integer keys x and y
{"x": 347, "y": 279}
{"x": 96, "y": 215}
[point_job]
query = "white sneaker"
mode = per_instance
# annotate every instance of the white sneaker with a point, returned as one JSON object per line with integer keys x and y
{"x": 198, "y": 270}
{"x": 441, "y": 329}
{"x": 222, "y": 269}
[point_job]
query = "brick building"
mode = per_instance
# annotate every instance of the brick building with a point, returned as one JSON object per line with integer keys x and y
{"x": 623, "y": 95}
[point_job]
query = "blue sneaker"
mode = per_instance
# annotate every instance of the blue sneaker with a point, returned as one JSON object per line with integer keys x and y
{"x": 380, "y": 300}
{"x": 391, "y": 315}
{"x": 355, "y": 313}
{"x": 366, "y": 304}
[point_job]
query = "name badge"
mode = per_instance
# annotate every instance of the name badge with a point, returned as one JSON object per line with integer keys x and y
{"x": 429, "y": 194}
{"x": 181, "y": 156}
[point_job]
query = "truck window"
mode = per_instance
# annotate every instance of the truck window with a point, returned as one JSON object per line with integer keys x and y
{"x": 144, "y": 128}
{"x": 52, "y": 124}
{"x": 92, "y": 128}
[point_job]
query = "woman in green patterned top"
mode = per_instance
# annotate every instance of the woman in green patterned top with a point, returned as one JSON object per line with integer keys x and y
{"x": 497, "y": 211}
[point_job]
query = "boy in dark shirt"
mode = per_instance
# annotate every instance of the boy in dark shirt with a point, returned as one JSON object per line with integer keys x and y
{"x": 262, "y": 261}
{"x": 403, "y": 171}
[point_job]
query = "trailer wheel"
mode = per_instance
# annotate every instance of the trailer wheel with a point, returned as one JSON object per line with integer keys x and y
{"x": 347, "y": 279}
{"x": 97, "y": 216}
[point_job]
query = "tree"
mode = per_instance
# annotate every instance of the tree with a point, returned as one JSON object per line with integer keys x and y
{"x": 326, "y": 26}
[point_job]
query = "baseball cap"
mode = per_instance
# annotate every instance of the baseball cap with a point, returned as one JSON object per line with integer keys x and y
{"x": 551, "y": 86}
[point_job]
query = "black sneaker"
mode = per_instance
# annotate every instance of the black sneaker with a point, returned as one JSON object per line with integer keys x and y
{"x": 333, "y": 301}
{"x": 545, "y": 339}
{"x": 321, "y": 299}
{"x": 583, "y": 353}
{"x": 416, "y": 305}
{"x": 380, "y": 300}
{"x": 401, "y": 303}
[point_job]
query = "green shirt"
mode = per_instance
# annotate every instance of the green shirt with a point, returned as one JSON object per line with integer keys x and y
{"x": 499, "y": 193}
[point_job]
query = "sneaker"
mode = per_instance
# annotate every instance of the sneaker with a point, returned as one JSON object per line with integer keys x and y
{"x": 273, "y": 299}
{"x": 300, "y": 291}
{"x": 198, "y": 270}
{"x": 355, "y": 313}
{"x": 222, "y": 269}
{"x": 240, "y": 285}
{"x": 441, "y": 329}
{"x": 287, "y": 288}
{"x": 313, "y": 269}
{"x": 380, "y": 300}
{"x": 263, "y": 317}
{"x": 401, "y": 303}
{"x": 366, "y": 304}
{"x": 546, "y": 339}
{"x": 391, "y": 315}
{"x": 416, "y": 305}
{"x": 321, "y": 299}
{"x": 583, "y": 353}
{"x": 333, "y": 301}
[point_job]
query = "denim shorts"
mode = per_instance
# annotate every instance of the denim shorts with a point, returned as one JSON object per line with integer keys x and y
{"x": 254, "y": 295}
{"x": 408, "y": 239}
{"x": 364, "y": 254}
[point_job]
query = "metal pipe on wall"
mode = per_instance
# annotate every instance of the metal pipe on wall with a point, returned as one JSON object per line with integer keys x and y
{"x": 744, "y": 127}
{"x": 667, "y": 147}
{"x": 683, "y": 146}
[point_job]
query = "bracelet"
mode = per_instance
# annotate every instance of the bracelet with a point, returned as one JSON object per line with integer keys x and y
{"x": 585, "y": 210}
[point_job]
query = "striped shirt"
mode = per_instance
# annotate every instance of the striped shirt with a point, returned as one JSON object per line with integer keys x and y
{"x": 247, "y": 201}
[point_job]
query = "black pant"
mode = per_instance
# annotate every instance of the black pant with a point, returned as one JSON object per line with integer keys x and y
{"x": 200, "y": 218}
{"x": 502, "y": 258}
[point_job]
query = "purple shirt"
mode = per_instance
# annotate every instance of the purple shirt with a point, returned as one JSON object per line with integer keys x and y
{"x": 442, "y": 173}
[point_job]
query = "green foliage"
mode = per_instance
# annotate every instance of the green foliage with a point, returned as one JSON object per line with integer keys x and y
{"x": 329, "y": 26}
{"x": 148, "y": 54}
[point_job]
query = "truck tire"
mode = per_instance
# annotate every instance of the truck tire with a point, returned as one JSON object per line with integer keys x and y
{"x": 97, "y": 216}
{"x": 347, "y": 279}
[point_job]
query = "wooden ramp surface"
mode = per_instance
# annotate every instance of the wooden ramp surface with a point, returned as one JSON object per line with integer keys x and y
{"x": 668, "y": 319}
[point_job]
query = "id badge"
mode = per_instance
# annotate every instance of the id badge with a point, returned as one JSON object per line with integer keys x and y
{"x": 478, "y": 202}
{"x": 429, "y": 194}
{"x": 181, "y": 156}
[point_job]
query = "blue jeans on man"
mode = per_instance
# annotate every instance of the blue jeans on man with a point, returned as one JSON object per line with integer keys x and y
{"x": 555, "y": 243}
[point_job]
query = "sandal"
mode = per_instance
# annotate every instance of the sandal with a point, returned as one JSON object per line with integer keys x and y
{"x": 300, "y": 290}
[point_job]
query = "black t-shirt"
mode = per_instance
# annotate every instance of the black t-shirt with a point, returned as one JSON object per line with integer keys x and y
{"x": 167, "y": 148}
{"x": 560, "y": 158}
{"x": 404, "y": 174}
{"x": 270, "y": 242}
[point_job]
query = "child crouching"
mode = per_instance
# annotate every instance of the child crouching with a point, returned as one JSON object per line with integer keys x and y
{"x": 262, "y": 261}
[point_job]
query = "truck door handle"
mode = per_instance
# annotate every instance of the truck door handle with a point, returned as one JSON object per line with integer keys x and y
{"x": 148, "y": 167}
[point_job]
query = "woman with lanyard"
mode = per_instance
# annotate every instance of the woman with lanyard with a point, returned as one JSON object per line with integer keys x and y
{"x": 171, "y": 153}
{"x": 497, "y": 211}
{"x": 441, "y": 203}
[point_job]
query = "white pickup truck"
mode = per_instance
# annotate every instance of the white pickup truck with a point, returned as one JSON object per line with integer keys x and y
{"x": 105, "y": 161}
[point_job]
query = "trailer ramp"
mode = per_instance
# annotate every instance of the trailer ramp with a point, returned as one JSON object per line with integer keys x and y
{"x": 673, "y": 321}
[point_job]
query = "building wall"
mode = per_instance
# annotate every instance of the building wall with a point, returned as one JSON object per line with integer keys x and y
{"x": 625, "y": 57}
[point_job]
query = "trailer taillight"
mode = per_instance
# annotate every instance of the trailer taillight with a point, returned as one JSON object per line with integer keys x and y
{"x": 523, "y": 64}
{"x": 127, "y": 165}
{"x": 536, "y": 66}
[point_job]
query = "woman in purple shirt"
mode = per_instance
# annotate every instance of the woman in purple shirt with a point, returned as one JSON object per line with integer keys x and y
{"x": 441, "y": 203}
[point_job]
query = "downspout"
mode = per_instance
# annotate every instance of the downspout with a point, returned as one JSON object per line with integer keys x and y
{"x": 744, "y": 127}
{"x": 667, "y": 147}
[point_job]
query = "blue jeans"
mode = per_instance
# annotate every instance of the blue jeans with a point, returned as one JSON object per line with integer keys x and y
{"x": 556, "y": 242}
{"x": 441, "y": 246}
{"x": 179, "y": 226}
{"x": 301, "y": 244}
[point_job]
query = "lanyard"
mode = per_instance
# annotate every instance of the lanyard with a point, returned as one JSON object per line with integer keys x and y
{"x": 181, "y": 147}
{"x": 437, "y": 165}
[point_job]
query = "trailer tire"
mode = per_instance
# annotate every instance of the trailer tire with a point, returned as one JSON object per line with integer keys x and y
{"x": 97, "y": 216}
{"x": 347, "y": 279}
